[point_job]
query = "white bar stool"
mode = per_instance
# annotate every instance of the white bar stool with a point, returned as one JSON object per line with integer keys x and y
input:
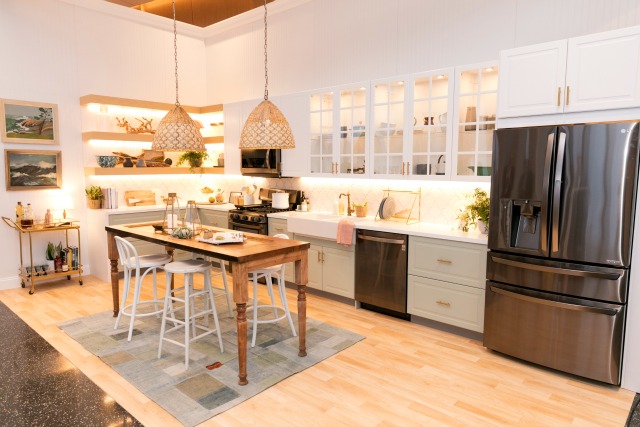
{"x": 188, "y": 268}
{"x": 276, "y": 271}
{"x": 131, "y": 262}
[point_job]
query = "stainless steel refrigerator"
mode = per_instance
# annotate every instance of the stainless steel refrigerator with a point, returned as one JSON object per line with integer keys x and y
{"x": 560, "y": 231}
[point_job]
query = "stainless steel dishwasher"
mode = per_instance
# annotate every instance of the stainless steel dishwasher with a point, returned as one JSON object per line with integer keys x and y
{"x": 381, "y": 272}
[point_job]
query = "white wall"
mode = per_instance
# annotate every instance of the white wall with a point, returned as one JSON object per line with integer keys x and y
{"x": 328, "y": 42}
{"x": 57, "y": 51}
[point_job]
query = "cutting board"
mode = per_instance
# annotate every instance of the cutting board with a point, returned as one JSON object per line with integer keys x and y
{"x": 139, "y": 197}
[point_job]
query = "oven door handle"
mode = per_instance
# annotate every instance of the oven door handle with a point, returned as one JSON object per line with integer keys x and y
{"x": 562, "y": 305}
{"x": 556, "y": 270}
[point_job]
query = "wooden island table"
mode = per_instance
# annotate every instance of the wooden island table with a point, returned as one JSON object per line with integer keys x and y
{"x": 258, "y": 251}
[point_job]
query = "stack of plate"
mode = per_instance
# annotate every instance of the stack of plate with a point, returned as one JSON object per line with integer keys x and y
{"x": 387, "y": 208}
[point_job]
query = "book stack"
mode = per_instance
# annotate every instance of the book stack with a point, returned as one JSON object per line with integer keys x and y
{"x": 110, "y": 198}
{"x": 70, "y": 257}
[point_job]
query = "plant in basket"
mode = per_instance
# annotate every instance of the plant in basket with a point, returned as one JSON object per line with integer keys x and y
{"x": 94, "y": 196}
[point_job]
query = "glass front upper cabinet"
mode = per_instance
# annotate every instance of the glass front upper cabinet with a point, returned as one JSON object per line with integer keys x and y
{"x": 430, "y": 147}
{"x": 353, "y": 133}
{"x": 338, "y": 131}
{"x": 321, "y": 134}
{"x": 388, "y": 124}
{"x": 475, "y": 120}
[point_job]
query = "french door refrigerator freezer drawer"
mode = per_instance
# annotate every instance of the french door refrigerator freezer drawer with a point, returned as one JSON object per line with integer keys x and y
{"x": 573, "y": 335}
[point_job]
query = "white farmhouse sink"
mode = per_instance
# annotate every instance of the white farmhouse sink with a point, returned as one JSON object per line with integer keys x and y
{"x": 322, "y": 225}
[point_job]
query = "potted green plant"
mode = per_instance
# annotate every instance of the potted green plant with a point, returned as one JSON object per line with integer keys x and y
{"x": 360, "y": 209}
{"x": 194, "y": 159}
{"x": 50, "y": 254}
{"x": 94, "y": 196}
{"x": 476, "y": 213}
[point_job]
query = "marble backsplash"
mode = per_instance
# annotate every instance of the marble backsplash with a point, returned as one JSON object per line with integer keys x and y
{"x": 440, "y": 202}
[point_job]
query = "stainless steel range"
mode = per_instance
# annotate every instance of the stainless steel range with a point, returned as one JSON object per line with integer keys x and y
{"x": 253, "y": 218}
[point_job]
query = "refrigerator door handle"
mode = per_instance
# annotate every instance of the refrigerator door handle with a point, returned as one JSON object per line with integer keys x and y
{"x": 555, "y": 270}
{"x": 557, "y": 192}
{"x": 562, "y": 305}
{"x": 545, "y": 188}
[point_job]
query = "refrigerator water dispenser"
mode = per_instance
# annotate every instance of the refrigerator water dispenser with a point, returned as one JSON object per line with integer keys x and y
{"x": 525, "y": 224}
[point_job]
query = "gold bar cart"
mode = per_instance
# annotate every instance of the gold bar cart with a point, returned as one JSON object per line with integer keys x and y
{"x": 31, "y": 274}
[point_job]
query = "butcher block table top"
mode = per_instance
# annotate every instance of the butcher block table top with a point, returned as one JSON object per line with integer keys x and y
{"x": 257, "y": 251}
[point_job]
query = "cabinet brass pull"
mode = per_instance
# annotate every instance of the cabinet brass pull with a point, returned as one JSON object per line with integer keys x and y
{"x": 402, "y": 168}
{"x": 444, "y": 261}
{"x": 443, "y": 304}
{"x": 319, "y": 256}
{"x": 559, "y": 93}
{"x": 568, "y": 93}
{"x": 408, "y": 168}
{"x": 279, "y": 228}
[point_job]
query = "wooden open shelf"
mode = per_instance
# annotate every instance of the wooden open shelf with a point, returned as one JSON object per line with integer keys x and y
{"x": 136, "y": 137}
{"x": 90, "y": 171}
{"x": 151, "y": 105}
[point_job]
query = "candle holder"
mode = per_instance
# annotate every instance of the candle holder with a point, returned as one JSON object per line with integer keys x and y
{"x": 191, "y": 218}
{"x": 171, "y": 214}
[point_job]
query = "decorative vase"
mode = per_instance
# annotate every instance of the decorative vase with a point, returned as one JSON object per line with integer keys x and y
{"x": 141, "y": 163}
{"x": 57, "y": 262}
{"x": 127, "y": 163}
{"x": 482, "y": 226}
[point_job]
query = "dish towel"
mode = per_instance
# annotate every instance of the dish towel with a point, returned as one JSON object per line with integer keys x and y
{"x": 345, "y": 232}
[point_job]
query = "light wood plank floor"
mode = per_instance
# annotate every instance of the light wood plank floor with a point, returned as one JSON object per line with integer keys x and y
{"x": 401, "y": 374}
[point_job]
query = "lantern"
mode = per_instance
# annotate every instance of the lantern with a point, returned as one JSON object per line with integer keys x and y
{"x": 171, "y": 214}
{"x": 192, "y": 218}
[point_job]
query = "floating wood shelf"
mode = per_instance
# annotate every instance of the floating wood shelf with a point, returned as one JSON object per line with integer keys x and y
{"x": 136, "y": 137}
{"x": 89, "y": 171}
{"x": 151, "y": 105}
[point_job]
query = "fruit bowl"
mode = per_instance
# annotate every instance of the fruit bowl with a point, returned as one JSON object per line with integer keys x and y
{"x": 107, "y": 161}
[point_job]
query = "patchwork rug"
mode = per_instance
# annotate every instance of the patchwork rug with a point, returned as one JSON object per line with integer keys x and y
{"x": 210, "y": 385}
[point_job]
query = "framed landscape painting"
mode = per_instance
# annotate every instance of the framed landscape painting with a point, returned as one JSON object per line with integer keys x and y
{"x": 29, "y": 122}
{"x": 33, "y": 169}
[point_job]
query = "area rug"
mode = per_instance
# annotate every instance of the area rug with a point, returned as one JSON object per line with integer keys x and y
{"x": 210, "y": 385}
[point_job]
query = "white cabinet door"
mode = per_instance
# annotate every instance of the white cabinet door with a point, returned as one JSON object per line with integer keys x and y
{"x": 603, "y": 71}
{"x": 296, "y": 110}
{"x": 234, "y": 118}
{"x": 532, "y": 79}
{"x": 338, "y": 272}
{"x": 315, "y": 267}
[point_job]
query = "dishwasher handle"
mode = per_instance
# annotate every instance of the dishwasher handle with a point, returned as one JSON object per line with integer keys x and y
{"x": 381, "y": 239}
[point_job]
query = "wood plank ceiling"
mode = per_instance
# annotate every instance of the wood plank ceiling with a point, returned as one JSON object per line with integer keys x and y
{"x": 201, "y": 13}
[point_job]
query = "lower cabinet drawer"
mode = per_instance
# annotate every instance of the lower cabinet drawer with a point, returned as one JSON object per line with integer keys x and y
{"x": 445, "y": 302}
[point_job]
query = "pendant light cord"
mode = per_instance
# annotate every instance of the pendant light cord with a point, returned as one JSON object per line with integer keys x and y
{"x": 175, "y": 48}
{"x": 266, "y": 76}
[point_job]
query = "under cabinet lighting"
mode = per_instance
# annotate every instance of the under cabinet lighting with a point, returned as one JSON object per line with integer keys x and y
{"x": 488, "y": 69}
{"x": 440, "y": 76}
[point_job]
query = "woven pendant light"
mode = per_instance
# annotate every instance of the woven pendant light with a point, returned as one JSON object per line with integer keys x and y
{"x": 177, "y": 131}
{"x": 266, "y": 126}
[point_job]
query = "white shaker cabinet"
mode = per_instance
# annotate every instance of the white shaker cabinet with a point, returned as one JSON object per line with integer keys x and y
{"x": 593, "y": 72}
{"x": 446, "y": 281}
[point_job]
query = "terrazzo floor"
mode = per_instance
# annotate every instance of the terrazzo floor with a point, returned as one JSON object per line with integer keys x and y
{"x": 40, "y": 387}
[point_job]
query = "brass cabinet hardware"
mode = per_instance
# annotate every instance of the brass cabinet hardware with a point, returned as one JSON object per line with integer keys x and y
{"x": 408, "y": 168}
{"x": 443, "y": 304}
{"x": 559, "y": 93}
{"x": 319, "y": 256}
{"x": 402, "y": 168}
{"x": 279, "y": 228}
{"x": 444, "y": 261}
{"x": 568, "y": 93}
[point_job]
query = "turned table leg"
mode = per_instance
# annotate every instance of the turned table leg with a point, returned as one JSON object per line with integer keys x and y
{"x": 240, "y": 297}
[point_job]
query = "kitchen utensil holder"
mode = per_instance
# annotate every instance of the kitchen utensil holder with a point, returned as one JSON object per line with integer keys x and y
{"x": 403, "y": 198}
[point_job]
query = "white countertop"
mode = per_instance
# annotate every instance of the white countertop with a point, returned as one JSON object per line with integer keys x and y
{"x": 423, "y": 229}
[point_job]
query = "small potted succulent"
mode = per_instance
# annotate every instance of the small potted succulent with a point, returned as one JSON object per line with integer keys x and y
{"x": 194, "y": 159}
{"x": 360, "y": 209}
{"x": 51, "y": 256}
{"x": 94, "y": 196}
{"x": 476, "y": 213}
